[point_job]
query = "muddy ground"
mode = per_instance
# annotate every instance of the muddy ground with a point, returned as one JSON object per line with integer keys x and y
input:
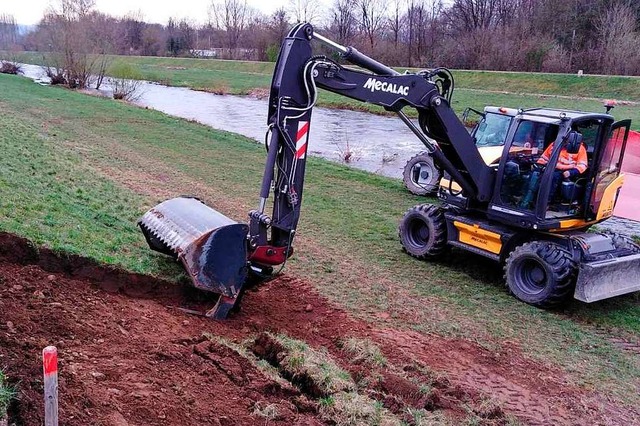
{"x": 130, "y": 356}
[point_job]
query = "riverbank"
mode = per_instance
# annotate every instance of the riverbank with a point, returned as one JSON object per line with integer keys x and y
{"x": 474, "y": 89}
{"x": 358, "y": 139}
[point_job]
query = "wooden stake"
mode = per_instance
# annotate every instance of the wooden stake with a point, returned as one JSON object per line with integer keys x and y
{"x": 50, "y": 368}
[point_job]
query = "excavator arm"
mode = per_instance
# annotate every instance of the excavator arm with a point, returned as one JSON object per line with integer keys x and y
{"x": 220, "y": 254}
{"x": 294, "y": 90}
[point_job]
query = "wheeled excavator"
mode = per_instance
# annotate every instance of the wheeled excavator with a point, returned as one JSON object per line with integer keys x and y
{"x": 498, "y": 211}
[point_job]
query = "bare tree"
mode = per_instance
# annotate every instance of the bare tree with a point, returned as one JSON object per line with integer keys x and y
{"x": 100, "y": 39}
{"x": 279, "y": 24}
{"x": 423, "y": 30}
{"x": 75, "y": 9}
{"x": 343, "y": 20}
{"x": 395, "y": 20}
{"x": 619, "y": 43}
{"x": 132, "y": 32}
{"x": 469, "y": 15}
{"x": 305, "y": 10}
{"x": 230, "y": 16}
{"x": 372, "y": 19}
{"x": 76, "y": 40}
{"x": 153, "y": 38}
{"x": 8, "y": 31}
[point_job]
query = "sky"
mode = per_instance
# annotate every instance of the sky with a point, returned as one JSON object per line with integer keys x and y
{"x": 29, "y": 12}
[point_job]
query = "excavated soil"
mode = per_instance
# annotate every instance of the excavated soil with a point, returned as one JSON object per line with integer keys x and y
{"x": 130, "y": 356}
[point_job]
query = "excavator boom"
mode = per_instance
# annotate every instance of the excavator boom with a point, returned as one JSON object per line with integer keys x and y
{"x": 217, "y": 252}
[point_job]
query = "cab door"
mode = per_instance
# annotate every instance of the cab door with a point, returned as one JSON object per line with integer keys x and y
{"x": 608, "y": 180}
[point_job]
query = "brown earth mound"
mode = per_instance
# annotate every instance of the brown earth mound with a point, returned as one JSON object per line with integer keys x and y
{"x": 129, "y": 356}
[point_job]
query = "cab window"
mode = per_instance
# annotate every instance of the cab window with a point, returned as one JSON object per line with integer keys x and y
{"x": 519, "y": 188}
{"x": 492, "y": 129}
{"x": 589, "y": 130}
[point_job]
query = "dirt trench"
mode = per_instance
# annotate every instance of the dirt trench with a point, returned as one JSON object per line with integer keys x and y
{"x": 129, "y": 356}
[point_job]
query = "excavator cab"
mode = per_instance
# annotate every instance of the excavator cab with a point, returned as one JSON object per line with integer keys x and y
{"x": 530, "y": 192}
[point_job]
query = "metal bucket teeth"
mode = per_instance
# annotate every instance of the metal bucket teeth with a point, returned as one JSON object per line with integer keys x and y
{"x": 211, "y": 247}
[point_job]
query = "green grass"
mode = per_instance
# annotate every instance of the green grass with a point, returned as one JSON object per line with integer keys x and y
{"x": 474, "y": 88}
{"x": 301, "y": 360}
{"x": 77, "y": 171}
{"x": 605, "y": 87}
{"x": 340, "y": 401}
{"x": 7, "y": 393}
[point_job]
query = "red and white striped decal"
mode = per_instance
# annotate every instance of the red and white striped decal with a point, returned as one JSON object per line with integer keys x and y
{"x": 301, "y": 139}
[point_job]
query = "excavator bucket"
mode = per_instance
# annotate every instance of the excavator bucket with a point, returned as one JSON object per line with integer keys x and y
{"x": 211, "y": 247}
{"x": 608, "y": 278}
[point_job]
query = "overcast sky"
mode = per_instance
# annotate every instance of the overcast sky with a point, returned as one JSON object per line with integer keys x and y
{"x": 28, "y": 12}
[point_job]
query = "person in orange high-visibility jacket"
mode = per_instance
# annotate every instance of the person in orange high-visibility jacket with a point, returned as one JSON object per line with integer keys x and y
{"x": 572, "y": 160}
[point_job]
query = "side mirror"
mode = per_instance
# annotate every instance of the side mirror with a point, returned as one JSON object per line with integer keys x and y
{"x": 465, "y": 115}
{"x": 473, "y": 121}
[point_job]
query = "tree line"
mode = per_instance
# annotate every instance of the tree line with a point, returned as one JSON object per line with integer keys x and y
{"x": 596, "y": 36}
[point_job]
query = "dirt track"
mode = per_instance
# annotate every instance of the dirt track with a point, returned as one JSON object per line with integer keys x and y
{"x": 130, "y": 357}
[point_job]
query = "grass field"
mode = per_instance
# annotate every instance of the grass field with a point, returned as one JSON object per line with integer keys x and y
{"x": 473, "y": 88}
{"x": 77, "y": 171}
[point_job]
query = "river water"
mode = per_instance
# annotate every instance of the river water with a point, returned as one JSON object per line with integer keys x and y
{"x": 378, "y": 144}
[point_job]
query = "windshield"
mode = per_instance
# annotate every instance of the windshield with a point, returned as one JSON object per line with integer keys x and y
{"x": 492, "y": 130}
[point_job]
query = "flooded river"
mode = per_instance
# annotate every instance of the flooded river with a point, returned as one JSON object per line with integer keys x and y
{"x": 378, "y": 144}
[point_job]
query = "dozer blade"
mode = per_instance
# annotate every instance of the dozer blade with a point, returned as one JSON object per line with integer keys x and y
{"x": 211, "y": 247}
{"x": 608, "y": 278}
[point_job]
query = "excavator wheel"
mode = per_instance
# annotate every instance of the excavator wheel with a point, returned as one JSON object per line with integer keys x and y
{"x": 540, "y": 273}
{"x": 420, "y": 175}
{"x": 423, "y": 231}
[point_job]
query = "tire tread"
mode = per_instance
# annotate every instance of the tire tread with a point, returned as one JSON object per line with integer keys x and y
{"x": 433, "y": 215}
{"x": 561, "y": 264}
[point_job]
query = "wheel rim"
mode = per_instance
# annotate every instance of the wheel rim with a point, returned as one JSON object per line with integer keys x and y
{"x": 531, "y": 276}
{"x": 418, "y": 233}
{"x": 420, "y": 174}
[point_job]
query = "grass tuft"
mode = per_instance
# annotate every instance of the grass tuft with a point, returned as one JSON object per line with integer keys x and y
{"x": 7, "y": 393}
{"x": 422, "y": 417}
{"x": 302, "y": 362}
{"x": 364, "y": 351}
{"x": 241, "y": 349}
{"x": 317, "y": 375}
{"x": 354, "y": 409}
{"x": 488, "y": 412}
{"x": 266, "y": 411}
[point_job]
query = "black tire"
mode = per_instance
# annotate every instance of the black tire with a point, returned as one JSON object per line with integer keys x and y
{"x": 420, "y": 175}
{"x": 540, "y": 273}
{"x": 423, "y": 231}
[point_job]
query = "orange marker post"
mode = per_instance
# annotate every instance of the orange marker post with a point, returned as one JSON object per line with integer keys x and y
{"x": 50, "y": 368}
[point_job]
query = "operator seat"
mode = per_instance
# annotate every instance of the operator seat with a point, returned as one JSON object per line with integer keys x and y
{"x": 573, "y": 189}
